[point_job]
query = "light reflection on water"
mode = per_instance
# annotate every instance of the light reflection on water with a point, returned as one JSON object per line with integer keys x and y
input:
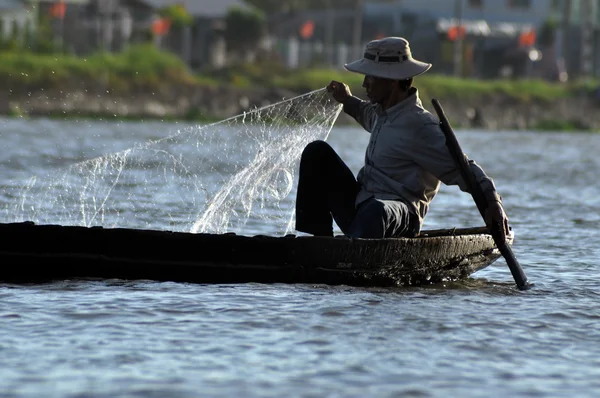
{"x": 479, "y": 337}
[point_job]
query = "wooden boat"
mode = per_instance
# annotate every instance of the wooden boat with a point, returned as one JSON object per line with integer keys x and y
{"x": 37, "y": 253}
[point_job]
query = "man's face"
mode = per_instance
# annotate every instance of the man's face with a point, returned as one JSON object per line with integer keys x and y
{"x": 378, "y": 89}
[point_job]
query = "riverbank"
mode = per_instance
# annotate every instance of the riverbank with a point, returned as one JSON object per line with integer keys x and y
{"x": 144, "y": 83}
{"x": 209, "y": 104}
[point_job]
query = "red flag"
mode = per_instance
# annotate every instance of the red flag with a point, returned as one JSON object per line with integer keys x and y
{"x": 456, "y": 32}
{"x": 58, "y": 9}
{"x": 160, "y": 27}
{"x": 307, "y": 29}
{"x": 527, "y": 39}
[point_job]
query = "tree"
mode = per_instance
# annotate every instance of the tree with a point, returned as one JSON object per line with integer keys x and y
{"x": 178, "y": 15}
{"x": 245, "y": 28}
{"x": 181, "y": 21}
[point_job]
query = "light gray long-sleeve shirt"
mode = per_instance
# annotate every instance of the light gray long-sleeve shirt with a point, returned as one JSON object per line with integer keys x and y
{"x": 407, "y": 157}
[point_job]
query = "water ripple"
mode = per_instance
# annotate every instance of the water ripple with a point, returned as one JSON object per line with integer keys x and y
{"x": 480, "y": 337}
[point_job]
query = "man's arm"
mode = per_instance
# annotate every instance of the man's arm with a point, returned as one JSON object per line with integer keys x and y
{"x": 431, "y": 153}
{"x": 352, "y": 106}
{"x": 362, "y": 111}
{"x": 494, "y": 212}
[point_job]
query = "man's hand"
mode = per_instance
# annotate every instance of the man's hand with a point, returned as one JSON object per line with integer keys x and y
{"x": 340, "y": 91}
{"x": 495, "y": 217}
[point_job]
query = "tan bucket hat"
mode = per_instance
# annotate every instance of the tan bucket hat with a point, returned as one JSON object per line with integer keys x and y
{"x": 389, "y": 58}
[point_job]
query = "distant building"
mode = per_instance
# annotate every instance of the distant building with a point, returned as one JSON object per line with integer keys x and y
{"x": 203, "y": 44}
{"x": 61, "y": 16}
{"x": 493, "y": 11}
{"x": 85, "y": 26}
{"x": 492, "y": 19}
{"x": 207, "y": 9}
{"x": 16, "y": 19}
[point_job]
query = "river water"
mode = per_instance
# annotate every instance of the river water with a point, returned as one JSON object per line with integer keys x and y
{"x": 476, "y": 338}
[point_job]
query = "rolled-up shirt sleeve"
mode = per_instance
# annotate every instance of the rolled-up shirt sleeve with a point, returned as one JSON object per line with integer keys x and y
{"x": 363, "y": 112}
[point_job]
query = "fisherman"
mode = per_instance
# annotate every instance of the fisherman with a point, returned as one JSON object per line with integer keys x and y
{"x": 405, "y": 160}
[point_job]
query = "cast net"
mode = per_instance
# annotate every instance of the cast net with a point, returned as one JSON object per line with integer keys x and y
{"x": 238, "y": 175}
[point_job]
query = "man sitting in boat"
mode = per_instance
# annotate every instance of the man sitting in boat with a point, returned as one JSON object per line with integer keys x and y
{"x": 405, "y": 160}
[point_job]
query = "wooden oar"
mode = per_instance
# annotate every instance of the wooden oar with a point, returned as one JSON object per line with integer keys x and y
{"x": 465, "y": 169}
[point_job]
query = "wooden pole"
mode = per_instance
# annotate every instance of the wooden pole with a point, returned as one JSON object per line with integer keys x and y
{"x": 565, "y": 25}
{"x": 329, "y": 29}
{"x": 458, "y": 43}
{"x": 587, "y": 38}
{"x": 478, "y": 197}
{"x": 357, "y": 38}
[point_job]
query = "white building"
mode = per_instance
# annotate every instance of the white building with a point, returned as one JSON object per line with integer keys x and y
{"x": 578, "y": 20}
{"x": 15, "y": 18}
{"x": 494, "y": 11}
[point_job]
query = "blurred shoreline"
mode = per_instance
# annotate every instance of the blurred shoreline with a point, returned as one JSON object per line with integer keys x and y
{"x": 213, "y": 103}
{"x": 143, "y": 82}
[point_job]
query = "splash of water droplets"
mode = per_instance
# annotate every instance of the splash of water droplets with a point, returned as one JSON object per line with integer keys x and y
{"x": 215, "y": 178}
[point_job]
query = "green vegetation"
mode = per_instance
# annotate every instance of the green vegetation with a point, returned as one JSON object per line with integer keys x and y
{"x": 245, "y": 29}
{"x": 139, "y": 67}
{"x": 559, "y": 125}
{"x": 430, "y": 84}
{"x": 177, "y": 14}
{"x": 441, "y": 85}
{"x": 144, "y": 68}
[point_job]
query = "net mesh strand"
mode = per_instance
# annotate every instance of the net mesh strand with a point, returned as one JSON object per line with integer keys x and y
{"x": 237, "y": 175}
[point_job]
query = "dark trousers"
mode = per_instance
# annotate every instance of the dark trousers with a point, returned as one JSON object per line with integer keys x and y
{"x": 327, "y": 191}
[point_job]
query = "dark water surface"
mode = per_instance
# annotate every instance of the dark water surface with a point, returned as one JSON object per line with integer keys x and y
{"x": 476, "y": 338}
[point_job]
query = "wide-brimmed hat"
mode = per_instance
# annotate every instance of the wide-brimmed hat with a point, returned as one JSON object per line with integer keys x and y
{"x": 389, "y": 58}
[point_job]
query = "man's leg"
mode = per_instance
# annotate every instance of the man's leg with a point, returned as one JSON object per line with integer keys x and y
{"x": 326, "y": 188}
{"x": 377, "y": 218}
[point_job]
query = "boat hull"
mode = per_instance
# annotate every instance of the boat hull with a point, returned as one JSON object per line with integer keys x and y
{"x": 38, "y": 253}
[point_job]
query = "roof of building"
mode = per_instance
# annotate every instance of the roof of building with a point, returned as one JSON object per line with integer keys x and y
{"x": 10, "y": 5}
{"x": 483, "y": 28}
{"x": 204, "y": 8}
{"x": 53, "y": 1}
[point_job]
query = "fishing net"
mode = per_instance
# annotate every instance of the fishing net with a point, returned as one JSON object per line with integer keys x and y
{"x": 237, "y": 175}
